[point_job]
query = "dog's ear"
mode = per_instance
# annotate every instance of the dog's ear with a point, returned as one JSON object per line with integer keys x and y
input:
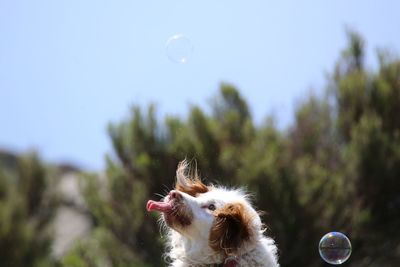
{"x": 231, "y": 228}
{"x": 188, "y": 181}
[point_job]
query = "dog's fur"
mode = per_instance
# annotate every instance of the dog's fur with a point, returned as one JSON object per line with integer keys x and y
{"x": 208, "y": 224}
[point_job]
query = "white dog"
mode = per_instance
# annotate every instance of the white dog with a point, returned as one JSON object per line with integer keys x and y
{"x": 212, "y": 226}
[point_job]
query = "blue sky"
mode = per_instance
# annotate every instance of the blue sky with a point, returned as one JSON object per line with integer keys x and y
{"x": 69, "y": 67}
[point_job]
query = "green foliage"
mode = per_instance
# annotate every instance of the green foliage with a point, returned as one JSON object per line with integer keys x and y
{"x": 102, "y": 249}
{"x": 26, "y": 208}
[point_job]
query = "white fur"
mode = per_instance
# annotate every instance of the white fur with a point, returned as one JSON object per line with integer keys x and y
{"x": 189, "y": 246}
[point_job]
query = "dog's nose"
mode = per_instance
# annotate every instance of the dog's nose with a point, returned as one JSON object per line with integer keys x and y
{"x": 175, "y": 195}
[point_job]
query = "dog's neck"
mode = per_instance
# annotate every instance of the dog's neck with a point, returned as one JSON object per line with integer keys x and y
{"x": 228, "y": 262}
{"x": 195, "y": 250}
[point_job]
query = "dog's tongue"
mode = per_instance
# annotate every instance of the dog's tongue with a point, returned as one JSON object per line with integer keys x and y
{"x": 158, "y": 206}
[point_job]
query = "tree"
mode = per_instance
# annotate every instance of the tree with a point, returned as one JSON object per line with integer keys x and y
{"x": 26, "y": 207}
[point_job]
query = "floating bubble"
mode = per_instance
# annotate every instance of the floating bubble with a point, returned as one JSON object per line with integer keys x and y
{"x": 179, "y": 48}
{"x": 335, "y": 248}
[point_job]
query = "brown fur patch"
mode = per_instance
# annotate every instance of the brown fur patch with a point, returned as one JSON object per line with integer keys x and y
{"x": 194, "y": 188}
{"x": 188, "y": 181}
{"x": 179, "y": 217}
{"x": 230, "y": 229}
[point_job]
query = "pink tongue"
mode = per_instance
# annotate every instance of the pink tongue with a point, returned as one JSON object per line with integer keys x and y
{"x": 158, "y": 206}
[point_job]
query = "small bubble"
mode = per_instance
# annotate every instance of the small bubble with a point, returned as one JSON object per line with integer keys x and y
{"x": 179, "y": 48}
{"x": 335, "y": 248}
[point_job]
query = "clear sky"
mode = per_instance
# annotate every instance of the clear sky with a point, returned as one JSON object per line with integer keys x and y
{"x": 68, "y": 67}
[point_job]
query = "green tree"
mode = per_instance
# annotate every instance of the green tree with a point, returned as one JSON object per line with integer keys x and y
{"x": 26, "y": 208}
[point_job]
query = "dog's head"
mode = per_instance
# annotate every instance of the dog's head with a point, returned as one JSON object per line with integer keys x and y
{"x": 221, "y": 218}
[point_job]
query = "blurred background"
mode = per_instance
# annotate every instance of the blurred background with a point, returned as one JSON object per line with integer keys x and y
{"x": 99, "y": 101}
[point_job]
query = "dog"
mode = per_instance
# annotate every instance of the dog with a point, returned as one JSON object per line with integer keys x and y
{"x": 209, "y": 226}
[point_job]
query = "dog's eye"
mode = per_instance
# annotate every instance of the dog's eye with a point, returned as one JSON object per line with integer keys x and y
{"x": 211, "y": 207}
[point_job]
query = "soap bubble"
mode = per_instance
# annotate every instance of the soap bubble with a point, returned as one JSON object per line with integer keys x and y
{"x": 335, "y": 248}
{"x": 179, "y": 48}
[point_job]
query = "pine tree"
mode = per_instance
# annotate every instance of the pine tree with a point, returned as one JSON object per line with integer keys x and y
{"x": 27, "y": 206}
